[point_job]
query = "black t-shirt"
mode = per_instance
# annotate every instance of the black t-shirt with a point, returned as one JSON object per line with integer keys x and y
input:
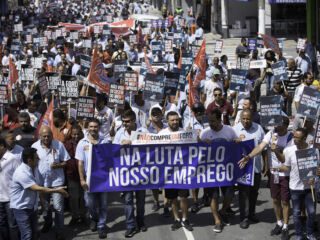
{"x": 25, "y": 138}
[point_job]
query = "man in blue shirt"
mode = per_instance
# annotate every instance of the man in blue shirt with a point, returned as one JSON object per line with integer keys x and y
{"x": 96, "y": 202}
{"x": 26, "y": 183}
{"x": 53, "y": 157}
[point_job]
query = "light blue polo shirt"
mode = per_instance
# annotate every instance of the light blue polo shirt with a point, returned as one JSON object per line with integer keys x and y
{"x": 257, "y": 134}
{"x": 82, "y": 150}
{"x": 21, "y": 197}
{"x": 57, "y": 153}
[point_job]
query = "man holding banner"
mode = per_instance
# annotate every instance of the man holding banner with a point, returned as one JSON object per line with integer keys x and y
{"x": 173, "y": 194}
{"x": 96, "y": 202}
{"x": 123, "y": 137}
{"x": 218, "y": 132}
{"x": 248, "y": 195}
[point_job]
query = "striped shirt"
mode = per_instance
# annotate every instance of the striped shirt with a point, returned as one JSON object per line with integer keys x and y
{"x": 294, "y": 79}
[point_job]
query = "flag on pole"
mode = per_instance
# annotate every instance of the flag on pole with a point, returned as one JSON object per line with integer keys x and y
{"x": 97, "y": 74}
{"x": 46, "y": 119}
{"x": 200, "y": 61}
{"x": 13, "y": 73}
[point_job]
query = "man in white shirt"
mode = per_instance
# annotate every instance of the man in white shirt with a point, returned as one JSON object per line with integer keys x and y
{"x": 218, "y": 132}
{"x": 300, "y": 190}
{"x": 105, "y": 117}
{"x": 8, "y": 164}
{"x": 123, "y": 137}
{"x": 173, "y": 194}
{"x": 276, "y": 140}
{"x": 207, "y": 95}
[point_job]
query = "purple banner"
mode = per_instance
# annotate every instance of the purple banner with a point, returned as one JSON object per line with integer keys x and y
{"x": 180, "y": 166}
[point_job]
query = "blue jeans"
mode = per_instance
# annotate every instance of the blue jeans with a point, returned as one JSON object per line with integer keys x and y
{"x": 8, "y": 225}
{"x": 27, "y": 221}
{"x": 270, "y": 81}
{"x": 298, "y": 197}
{"x": 131, "y": 222}
{"x": 97, "y": 204}
{"x": 58, "y": 206}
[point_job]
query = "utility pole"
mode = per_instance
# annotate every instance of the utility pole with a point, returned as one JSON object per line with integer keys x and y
{"x": 262, "y": 26}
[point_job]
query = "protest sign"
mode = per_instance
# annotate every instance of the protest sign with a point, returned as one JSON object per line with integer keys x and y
{"x": 180, "y": 166}
{"x": 260, "y": 42}
{"x": 54, "y": 80}
{"x": 171, "y": 83}
{"x": 85, "y": 63}
{"x": 258, "y": 64}
{"x": 27, "y": 74}
{"x": 301, "y": 43}
{"x": 279, "y": 71}
{"x": 131, "y": 81}
{"x": 168, "y": 45}
{"x": 85, "y": 108}
{"x": 48, "y": 34}
{"x": 18, "y": 27}
{"x": 186, "y": 60}
{"x": 37, "y": 62}
{"x": 96, "y": 29}
{"x": 4, "y": 95}
{"x": 68, "y": 89}
{"x": 154, "y": 86}
{"x": 133, "y": 38}
{"x": 169, "y": 35}
{"x": 309, "y": 102}
{"x": 74, "y": 35}
{"x": 58, "y": 33}
{"x": 270, "y": 110}
{"x": 238, "y": 80}
{"x": 15, "y": 47}
{"x": 43, "y": 84}
{"x": 87, "y": 43}
{"x": 182, "y": 80}
{"x": 119, "y": 69}
{"x": 116, "y": 95}
{"x": 307, "y": 160}
{"x": 156, "y": 46}
{"x": 43, "y": 42}
{"x": 252, "y": 44}
{"x": 140, "y": 138}
{"x": 218, "y": 47}
{"x": 29, "y": 38}
{"x": 243, "y": 63}
{"x": 316, "y": 140}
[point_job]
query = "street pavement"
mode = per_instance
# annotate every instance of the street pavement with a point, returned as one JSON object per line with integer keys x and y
{"x": 159, "y": 227}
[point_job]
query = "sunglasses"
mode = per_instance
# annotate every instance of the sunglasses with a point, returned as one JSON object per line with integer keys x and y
{"x": 216, "y": 95}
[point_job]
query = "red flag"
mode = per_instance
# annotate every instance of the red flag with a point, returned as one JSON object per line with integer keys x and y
{"x": 13, "y": 72}
{"x": 140, "y": 37}
{"x": 271, "y": 42}
{"x": 46, "y": 119}
{"x": 191, "y": 94}
{"x": 149, "y": 67}
{"x": 200, "y": 61}
{"x": 97, "y": 74}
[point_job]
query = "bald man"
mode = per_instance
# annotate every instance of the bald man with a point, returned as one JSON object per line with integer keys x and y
{"x": 53, "y": 157}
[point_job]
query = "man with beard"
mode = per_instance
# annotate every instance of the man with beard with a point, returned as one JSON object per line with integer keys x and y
{"x": 53, "y": 157}
{"x": 25, "y": 134}
{"x": 173, "y": 194}
{"x": 96, "y": 202}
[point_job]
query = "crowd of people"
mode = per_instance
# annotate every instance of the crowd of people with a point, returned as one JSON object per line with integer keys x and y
{"x": 44, "y": 152}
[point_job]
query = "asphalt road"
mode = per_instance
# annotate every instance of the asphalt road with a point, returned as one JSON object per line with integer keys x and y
{"x": 159, "y": 227}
